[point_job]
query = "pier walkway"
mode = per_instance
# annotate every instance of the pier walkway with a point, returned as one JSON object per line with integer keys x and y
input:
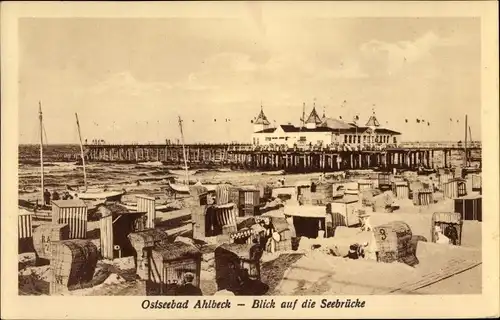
{"x": 303, "y": 158}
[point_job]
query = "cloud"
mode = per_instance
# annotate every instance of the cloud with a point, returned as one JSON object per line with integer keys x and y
{"x": 394, "y": 56}
{"x": 193, "y": 84}
{"x": 221, "y": 70}
{"x": 231, "y": 61}
{"x": 124, "y": 83}
{"x": 254, "y": 10}
{"x": 307, "y": 66}
{"x": 348, "y": 69}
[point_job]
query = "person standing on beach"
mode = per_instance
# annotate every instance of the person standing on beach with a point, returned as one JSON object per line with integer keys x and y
{"x": 46, "y": 197}
{"x": 66, "y": 196}
{"x": 267, "y": 224}
{"x": 256, "y": 251}
{"x": 55, "y": 195}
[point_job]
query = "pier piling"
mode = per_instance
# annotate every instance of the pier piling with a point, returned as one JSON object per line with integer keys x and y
{"x": 410, "y": 156}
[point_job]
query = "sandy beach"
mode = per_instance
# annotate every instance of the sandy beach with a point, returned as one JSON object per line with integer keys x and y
{"x": 440, "y": 270}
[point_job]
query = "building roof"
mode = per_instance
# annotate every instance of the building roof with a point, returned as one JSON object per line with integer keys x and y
{"x": 314, "y": 117}
{"x": 291, "y": 128}
{"x": 331, "y": 125}
{"x": 268, "y": 130}
{"x": 327, "y": 125}
{"x": 385, "y": 130}
{"x": 335, "y": 124}
{"x": 373, "y": 122}
{"x": 378, "y": 130}
{"x": 261, "y": 118}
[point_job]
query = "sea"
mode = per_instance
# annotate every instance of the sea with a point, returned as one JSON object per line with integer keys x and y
{"x": 61, "y": 170}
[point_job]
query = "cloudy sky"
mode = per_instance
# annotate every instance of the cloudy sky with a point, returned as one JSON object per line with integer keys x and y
{"x": 129, "y": 79}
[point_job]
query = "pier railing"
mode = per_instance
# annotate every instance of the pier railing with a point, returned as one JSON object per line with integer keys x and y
{"x": 349, "y": 147}
{"x": 441, "y": 145}
{"x": 305, "y": 156}
{"x": 339, "y": 147}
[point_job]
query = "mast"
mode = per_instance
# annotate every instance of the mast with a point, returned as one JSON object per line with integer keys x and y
{"x": 184, "y": 151}
{"x": 40, "y": 117}
{"x": 470, "y": 139}
{"x": 303, "y": 114}
{"x": 81, "y": 152}
{"x": 465, "y": 145}
{"x": 302, "y": 123}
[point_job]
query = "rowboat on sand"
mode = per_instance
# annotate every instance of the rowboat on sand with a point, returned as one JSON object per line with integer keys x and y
{"x": 184, "y": 189}
{"x": 425, "y": 171}
{"x": 150, "y": 164}
{"x": 274, "y": 173}
{"x": 183, "y": 172}
{"x": 158, "y": 207}
{"x": 99, "y": 195}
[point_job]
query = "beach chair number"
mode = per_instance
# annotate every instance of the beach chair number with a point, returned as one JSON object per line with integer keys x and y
{"x": 383, "y": 234}
{"x": 46, "y": 244}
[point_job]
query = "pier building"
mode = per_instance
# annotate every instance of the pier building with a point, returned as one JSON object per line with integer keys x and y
{"x": 318, "y": 144}
{"x": 316, "y": 131}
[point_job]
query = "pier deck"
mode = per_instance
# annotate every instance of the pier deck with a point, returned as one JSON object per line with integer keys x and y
{"x": 306, "y": 158}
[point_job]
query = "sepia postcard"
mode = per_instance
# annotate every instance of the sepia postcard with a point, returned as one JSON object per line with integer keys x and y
{"x": 216, "y": 160}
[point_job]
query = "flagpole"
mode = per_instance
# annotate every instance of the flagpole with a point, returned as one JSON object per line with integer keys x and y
{"x": 465, "y": 144}
{"x": 136, "y": 132}
{"x": 422, "y": 131}
{"x": 449, "y": 130}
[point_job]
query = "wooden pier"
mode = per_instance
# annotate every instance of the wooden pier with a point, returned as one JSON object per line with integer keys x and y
{"x": 330, "y": 158}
